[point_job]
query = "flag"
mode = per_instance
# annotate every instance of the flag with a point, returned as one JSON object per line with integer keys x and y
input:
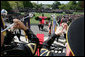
{"x": 54, "y": 25}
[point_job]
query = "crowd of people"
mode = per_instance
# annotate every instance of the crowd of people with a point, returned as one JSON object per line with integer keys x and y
{"x": 29, "y": 49}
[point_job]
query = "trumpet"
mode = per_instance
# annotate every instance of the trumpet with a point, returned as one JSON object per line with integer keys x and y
{"x": 8, "y": 27}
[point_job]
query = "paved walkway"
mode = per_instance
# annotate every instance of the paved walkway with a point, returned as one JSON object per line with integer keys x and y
{"x": 36, "y": 30}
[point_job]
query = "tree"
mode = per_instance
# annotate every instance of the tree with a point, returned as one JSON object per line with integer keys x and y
{"x": 19, "y": 4}
{"x": 62, "y": 6}
{"x": 34, "y": 5}
{"x": 56, "y": 5}
{"x": 16, "y": 4}
{"x": 49, "y": 6}
{"x": 5, "y": 5}
{"x": 80, "y": 5}
{"x": 27, "y": 4}
{"x": 72, "y": 5}
{"x": 39, "y": 6}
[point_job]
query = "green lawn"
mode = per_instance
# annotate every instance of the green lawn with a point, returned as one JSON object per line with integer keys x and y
{"x": 78, "y": 12}
{"x": 33, "y": 21}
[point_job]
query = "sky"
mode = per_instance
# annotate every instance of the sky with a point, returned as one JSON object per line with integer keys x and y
{"x": 50, "y": 2}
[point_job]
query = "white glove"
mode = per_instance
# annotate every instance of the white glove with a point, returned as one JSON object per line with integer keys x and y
{"x": 59, "y": 30}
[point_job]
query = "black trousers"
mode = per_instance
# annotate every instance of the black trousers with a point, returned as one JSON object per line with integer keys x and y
{"x": 41, "y": 26}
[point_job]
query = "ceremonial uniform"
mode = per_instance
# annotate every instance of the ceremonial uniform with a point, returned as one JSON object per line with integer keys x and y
{"x": 2, "y": 33}
{"x": 42, "y": 19}
{"x": 29, "y": 49}
{"x": 24, "y": 49}
{"x": 45, "y": 50}
{"x": 34, "y": 42}
{"x": 75, "y": 38}
{"x": 3, "y": 26}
